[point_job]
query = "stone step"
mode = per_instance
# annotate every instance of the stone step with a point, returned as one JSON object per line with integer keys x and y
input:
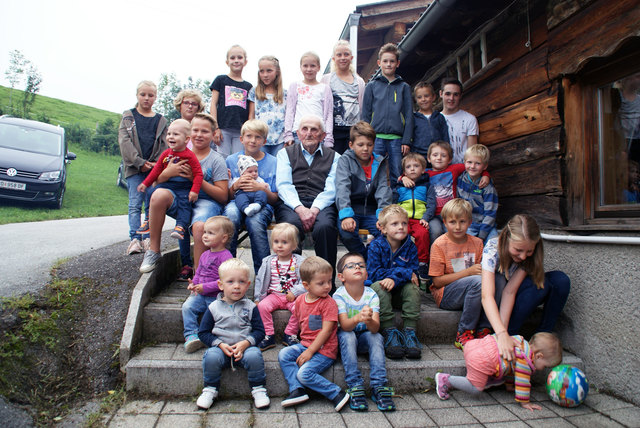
{"x": 165, "y": 369}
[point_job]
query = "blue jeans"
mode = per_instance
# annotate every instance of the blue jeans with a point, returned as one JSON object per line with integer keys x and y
{"x": 474, "y": 229}
{"x": 436, "y": 228}
{"x": 466, "y": 294}
{"x": 309, "y": 374}
{"x": 136, "y": 199}
{"x": 352, "y": 344}
{"x": 554, "y": 295}
{"x": 352, "y": 240}
{"x": 230, "y": 142}
{"x": 393, "y": 148}
{"x": 272, "y": 149}
{"x": 201, "y": 211}
{"x": 214, "y": 360}
{"x": 256, "y": 226}
{"x": 192, "y": 308}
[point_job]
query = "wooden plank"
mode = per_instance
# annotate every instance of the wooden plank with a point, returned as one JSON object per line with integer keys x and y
{"x": 578, "y": 183}
{"x": 559, "y": 10}
{"x": 520, "y": 80}
{"x": 547, "y": 210}
{"x": 369, "y": 40}
{"x": 534, "y": 114}
{"x": 525, "y": 149}
{"x": 540, "y": 177}
{"x": 596, "y": 31}
{"x": 378, "y": 22}
{"x": 381, "y": 8}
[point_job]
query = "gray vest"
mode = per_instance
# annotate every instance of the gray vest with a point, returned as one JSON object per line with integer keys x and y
{"x": 308, "y": 179}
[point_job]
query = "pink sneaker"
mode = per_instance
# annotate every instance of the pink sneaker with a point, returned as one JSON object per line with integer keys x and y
{"x": 442, "y": 386}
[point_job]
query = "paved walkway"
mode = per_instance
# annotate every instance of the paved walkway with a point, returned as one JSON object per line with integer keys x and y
{"x": 495, "y": 408}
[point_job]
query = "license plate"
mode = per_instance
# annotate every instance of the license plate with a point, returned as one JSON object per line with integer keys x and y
{"x": 12, "y": 185}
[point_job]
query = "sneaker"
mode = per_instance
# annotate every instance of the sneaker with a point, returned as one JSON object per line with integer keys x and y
{"x": 381, "y": 395}
{"x": 296, "y": 397}
{"x": 462, "y": 338}
{"x": 267, "y": 343}
{"x": 357, "y": 399}
{"x": 185, "y": 274}
{"x": 442, "y": 386}
{"x": 135, "y": 247}
{"x": 482, "y": 333}
{"x": 393, "y": 343}
{"x": 144, "y": 228}
{"x": 423, "y": 271}
{"x": 150, "y": 261}
{"x": 146, "y": 244}
{"x": 178, "y": 232}
{"x": 413, "y": 348}
{"x": 192, "y": 344}
{"x": 340, "y": 400}
{"x": 252, "y": 209}
{"x": 260, "y": 397}
{"x": 209, "y": 393}
{"x": 290, "y": 339}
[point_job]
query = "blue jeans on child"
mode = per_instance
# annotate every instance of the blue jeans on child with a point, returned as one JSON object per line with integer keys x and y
{"x": 436, "y": 228}
{"x": 272, "y": 149}
{"x": 352, "y": 240}
{"x": 192, "y": 308}
{"x": 214, "y": 360}
{"x": 309, "y": 374}
{"x": 256, "y": 226}
{"x": 352, "y": 344}
{"x": 201, "y": 211}
{"x": 136, "y": 199}
{"x": 466, "y": 294}
{"x": 393, "y": 148}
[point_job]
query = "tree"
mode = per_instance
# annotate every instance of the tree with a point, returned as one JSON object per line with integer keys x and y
{"x": 31, "y": 89}
{"x": 168, "y": 88}
{"x": 22, "y": 71}
{"x": 106, "y": 137}
{"x": 15, "y": 72}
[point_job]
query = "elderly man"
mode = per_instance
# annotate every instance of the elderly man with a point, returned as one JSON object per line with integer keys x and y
{"x": 305, "y": 179}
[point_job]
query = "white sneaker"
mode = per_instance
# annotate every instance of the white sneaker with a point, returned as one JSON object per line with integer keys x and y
{"x": 150, "y": 261}
{"x": 209, "y": 393}
{"x": 135, "y": 246}
{"x": 252, "y": 209}
{"x": 260, "y": 397}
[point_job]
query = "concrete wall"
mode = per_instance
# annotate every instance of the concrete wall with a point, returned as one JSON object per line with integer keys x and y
{"x": 601, "y": 321}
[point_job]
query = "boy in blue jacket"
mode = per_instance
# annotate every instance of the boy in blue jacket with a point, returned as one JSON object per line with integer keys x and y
{"x": 362, "y": 188}
{"x": 388, "y": 107}
{"x": 392, "y": 266}
{"x": 429, "y": 125}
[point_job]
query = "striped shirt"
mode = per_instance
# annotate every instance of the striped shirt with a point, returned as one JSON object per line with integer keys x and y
{"x": 521, "y": 368}
{"x": 283, "y": 276}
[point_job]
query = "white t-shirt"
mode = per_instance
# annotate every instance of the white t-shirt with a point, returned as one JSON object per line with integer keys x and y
{"x": 461, "y": 125}
{"x": 310, "y": 102}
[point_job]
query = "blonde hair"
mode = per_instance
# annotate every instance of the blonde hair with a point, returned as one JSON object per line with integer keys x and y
{"x": 522, "y": 227}
{"x": 255, "y": 125}
{"x": 313, "y": 265}
{"x": 144, "y": 83}
{"x": 478, "y": 150}
{"x": 184, "y": 123}
{"x": 310, "y": 54}
{"x": 208, "y": 118}
{"x": 456, "y": 208}
{"x": 391, "y": 210}
{"x": 287, "y": 230}
{"x": 189, "y": 93}
{"x": 244, "y": 52}
{"x": 231, "y": 265}
{"x": 415, "y": 157}
{"x": 261, "y": 93}
{"x": 342, "y": 44}
{"x": 443, "y": 145}
{"x": 223, "y": 223}
{"x": 550, "y": 346}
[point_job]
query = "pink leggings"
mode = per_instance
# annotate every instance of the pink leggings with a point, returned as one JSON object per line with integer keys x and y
{"x": 271, "y": 303}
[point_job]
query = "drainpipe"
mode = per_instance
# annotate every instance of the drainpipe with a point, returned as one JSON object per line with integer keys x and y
{"x": 354, "y": 21}
{"x": 592, "y": 239}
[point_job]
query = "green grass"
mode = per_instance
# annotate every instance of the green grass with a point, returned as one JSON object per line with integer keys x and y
{"x": 91, "y": 192}
{"x": 59, "y": 112}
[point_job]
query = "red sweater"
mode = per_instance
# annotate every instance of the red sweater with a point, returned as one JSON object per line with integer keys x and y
{"x": 445, "y": 183}
{"x": 171, "y": 156}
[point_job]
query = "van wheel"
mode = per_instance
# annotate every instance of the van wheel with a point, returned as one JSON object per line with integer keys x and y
{"x": 58, "y": 202}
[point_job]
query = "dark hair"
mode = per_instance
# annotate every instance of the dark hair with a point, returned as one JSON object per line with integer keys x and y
{"x": 422, "y": 84}
{"x": 451, "y": 81}
{"x": 343, "y": 259}
{"x": 391, "y": 48}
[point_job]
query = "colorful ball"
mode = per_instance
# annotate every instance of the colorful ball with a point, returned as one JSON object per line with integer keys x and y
{"x": 567, "y": 385}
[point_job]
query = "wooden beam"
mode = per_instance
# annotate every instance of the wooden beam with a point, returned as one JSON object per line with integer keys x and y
{"x": 534, "y": 114}
{"x": 547, "y": 210}
{"x": 370, "y": 40}
{"x": 385, "y": 21}
{"x": 578, "y": 182}
{"x": 542, "y": 176}
{"x": 525, "y": 149}
{"x": 381, "y": 8}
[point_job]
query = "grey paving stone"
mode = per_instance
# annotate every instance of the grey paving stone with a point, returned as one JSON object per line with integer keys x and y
{"x": 629, "y": 416}
{"x": 549, "y": 423}
{"x": 448, "y": 352}
{"x": 172, "y": 421}
{"x": 493, "y": 413}
{"x": 429, "y": 400}
{"x": 451, "y": 416}
{"x": 501, "y": 395}
{"x": 526, "y": 414}
{"x": 567, "y": 411}
{"x": 183, "y": 407}
{"x": 163, "y": 351}
{"x": 373, "y": 419}
{"x": 510, "y": 424}
{"x": 141, "y": 407}
{"x": 463, "y": 426}
{"x": 133, "y": 421}
{"x": 465, "y": 399}
{"x": 603, "y": 402}
{"x": 314, "y": 420}
{"x": 315, "y": 405}
{"x": 231, "y": 406}
{"x": 594, "y": 420}
{"x": 539, "y": 394}
{"x": 229, "y": 420}
{"x": 409, "y": 418}
{"x": 180, "y": 354}
{"x": 403, "y": 402}
{"x": 280, "y": 420}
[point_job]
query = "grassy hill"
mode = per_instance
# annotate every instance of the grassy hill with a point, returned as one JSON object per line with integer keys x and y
{"x": 63, "y": 113}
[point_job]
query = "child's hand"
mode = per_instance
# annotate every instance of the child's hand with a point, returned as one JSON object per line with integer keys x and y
{"x": 195, "y": 288}
{"x": 239, "y": 348}
{"x": 348, "y": 224}
{"x": 530, "y": 406}
{"x": 227, "y": 349}
{"x": 484, "y": 182}
{"x": 366, "y": 313}
{"x": 405, "y": 149}
{"x": 424, "y": 223}
{"x": 387, "y": 284}
{"x": 304, "y": 357}
{"x": 415, "y": 280}
{"x": 193, "y": 196}
{"x": 148, "y": 166}
{"x": 290, "y": 296}
{"x": 475, "y": 269}
{"x": 288, "y": 143}
{"x": 407, "y": 182}
{"x": 217, "y": 137}
{"x": 141, "y": 188}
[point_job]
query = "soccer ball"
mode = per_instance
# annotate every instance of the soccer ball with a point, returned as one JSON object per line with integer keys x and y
{"x": 567, "y": 385}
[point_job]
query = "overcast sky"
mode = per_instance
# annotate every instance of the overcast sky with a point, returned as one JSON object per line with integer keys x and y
{"x": 95, "y": 52}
